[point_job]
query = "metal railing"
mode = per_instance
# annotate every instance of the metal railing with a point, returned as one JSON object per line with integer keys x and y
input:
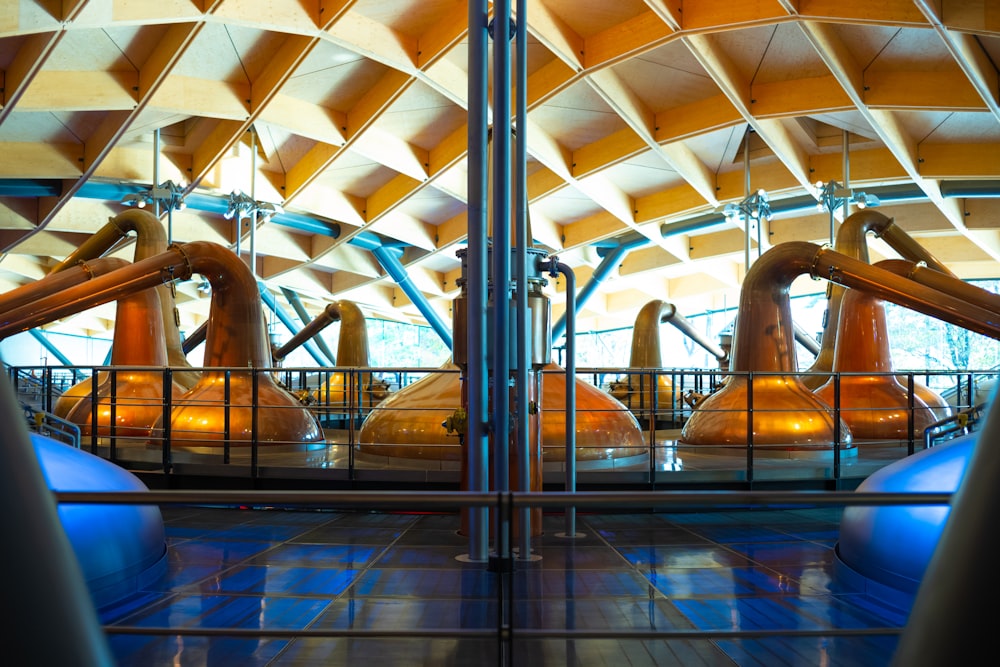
{"x": 505, "y": 632}
{"x": 341, "y": 399}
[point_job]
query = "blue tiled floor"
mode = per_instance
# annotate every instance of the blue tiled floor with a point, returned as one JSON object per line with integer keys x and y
{"x": 275, "y": 570}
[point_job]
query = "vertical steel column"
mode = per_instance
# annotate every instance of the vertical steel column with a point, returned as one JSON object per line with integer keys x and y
{"x": 570, "y": 394}
{"x": 522, "y": 239}
{"x": 476, "y": 373}
{"x": 500, "y": 417}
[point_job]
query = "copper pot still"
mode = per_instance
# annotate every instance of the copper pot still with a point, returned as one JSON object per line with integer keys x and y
{"x": 232, "y": 403}
{"x": 342, "y": 390}
{"x": 765, "y": 396}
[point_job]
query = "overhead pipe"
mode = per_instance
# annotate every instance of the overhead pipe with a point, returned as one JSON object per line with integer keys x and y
{"x": 796, "y": 418}
{"x": 390, "y": 262}
{"x": 612, "y": 258}
{"x": 217, "y": 411}
{"x": 799, "y": 204}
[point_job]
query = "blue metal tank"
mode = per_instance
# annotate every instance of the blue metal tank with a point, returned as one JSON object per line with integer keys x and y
{"x": 885, "y": 550}
{"x": 120, "y": 548}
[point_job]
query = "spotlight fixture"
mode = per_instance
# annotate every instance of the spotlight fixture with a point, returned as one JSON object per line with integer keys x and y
{"x": 137, "y": 200}
{"x": 242, "y": 205}
{"x": 832, "y": 195}
{"x": 753, "y": 207}
{"x": 167, "y": 196}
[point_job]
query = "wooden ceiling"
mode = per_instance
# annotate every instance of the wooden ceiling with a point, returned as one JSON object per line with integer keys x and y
{"x": 640, "y": 114}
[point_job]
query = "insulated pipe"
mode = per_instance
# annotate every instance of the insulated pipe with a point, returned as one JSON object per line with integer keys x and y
{"x": 764, "y": 341}
{"x": 235, "y": 340}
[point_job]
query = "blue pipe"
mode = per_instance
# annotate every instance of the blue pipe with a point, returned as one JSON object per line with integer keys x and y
{"x": 47, "y": 344}
{"x": 890, "y": 194}
{"x": 300, "y": 310}
{"x": 275, "y": 307}
{"x": 607, "y": 265}
{"x": 386, "y": 256}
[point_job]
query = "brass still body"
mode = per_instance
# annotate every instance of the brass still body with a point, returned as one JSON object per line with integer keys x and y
{"x": 640, "y": 392}
{"x": 785, "y": 414}
{"x": 649, "y": 395}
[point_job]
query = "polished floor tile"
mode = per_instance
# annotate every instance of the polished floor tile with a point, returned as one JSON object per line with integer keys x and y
{"x": 344, "y": 588}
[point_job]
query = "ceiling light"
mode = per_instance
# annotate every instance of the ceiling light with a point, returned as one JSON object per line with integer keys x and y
{"x": 833, "y": 195}
{"x": 754, "y": 207}
{"x": 242, "y": 205}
